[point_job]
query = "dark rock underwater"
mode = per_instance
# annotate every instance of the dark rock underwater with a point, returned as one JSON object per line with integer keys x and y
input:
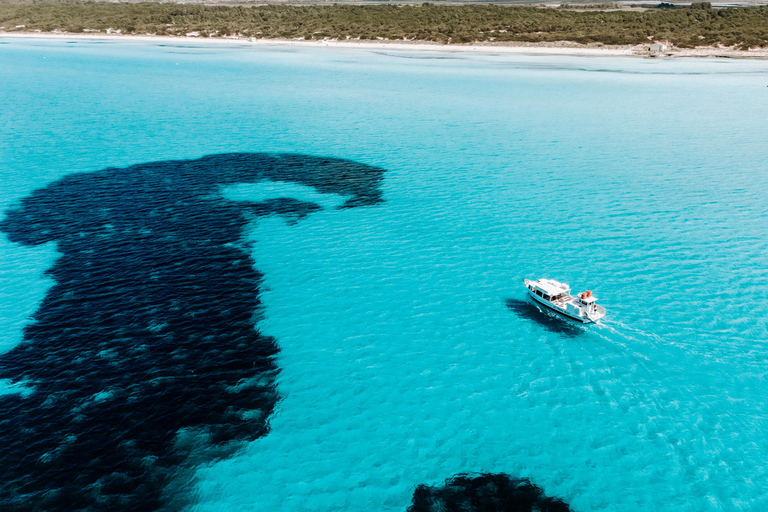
{"x": 143, "y": 356}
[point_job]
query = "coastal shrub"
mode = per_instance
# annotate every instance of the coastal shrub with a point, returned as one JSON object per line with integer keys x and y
{"x": 698, "y": 25}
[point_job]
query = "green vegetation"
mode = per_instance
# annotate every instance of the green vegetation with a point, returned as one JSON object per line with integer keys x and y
{"x": 696, "y": 26}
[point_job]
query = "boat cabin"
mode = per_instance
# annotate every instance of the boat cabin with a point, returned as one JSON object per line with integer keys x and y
{"x": 588, "y": 300}
{"x": 549, "y": 290}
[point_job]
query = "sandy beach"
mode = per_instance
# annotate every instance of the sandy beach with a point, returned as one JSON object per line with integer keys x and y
{"x": 556, "y": 48}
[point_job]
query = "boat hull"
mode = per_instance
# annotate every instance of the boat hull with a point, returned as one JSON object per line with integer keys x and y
{"x": 559, "y": 311}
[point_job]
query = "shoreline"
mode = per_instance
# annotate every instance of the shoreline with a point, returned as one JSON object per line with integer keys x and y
{"x": 561, "y": 48}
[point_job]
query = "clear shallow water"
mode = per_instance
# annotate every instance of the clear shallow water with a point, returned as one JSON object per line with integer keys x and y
{"x": 406, "y": 353}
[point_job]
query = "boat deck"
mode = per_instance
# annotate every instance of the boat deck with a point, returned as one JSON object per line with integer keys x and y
{"x": 561, "y": 301}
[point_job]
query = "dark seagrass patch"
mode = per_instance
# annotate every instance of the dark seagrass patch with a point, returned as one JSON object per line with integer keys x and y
{"x": 143, "y": 355}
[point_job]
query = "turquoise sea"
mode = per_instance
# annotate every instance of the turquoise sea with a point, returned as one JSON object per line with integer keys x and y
{"x": 407, "y": 353}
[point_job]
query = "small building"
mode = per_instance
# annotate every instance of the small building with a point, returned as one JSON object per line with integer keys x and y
{"x": 658, "y": 47}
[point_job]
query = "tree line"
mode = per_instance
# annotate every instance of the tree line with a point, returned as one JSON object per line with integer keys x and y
{"x": 698, "y": 25}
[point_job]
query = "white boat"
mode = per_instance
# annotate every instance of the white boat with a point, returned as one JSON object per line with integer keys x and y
{"x": 556, "y": 296}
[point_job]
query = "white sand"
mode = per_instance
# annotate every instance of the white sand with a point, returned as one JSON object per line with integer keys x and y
{"x": 557, "y": 48}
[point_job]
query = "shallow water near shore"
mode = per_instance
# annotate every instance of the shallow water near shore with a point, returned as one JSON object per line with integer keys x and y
{"x": 407, "y": 350}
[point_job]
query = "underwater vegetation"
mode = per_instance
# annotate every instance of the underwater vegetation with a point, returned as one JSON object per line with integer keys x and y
{"x": 486, "y": 492}
{"x": 143, "y": 356}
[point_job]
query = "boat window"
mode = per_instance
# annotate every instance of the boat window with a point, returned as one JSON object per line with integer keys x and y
{"x": 546, "y": 297}
{"x": 538, "y": 292}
